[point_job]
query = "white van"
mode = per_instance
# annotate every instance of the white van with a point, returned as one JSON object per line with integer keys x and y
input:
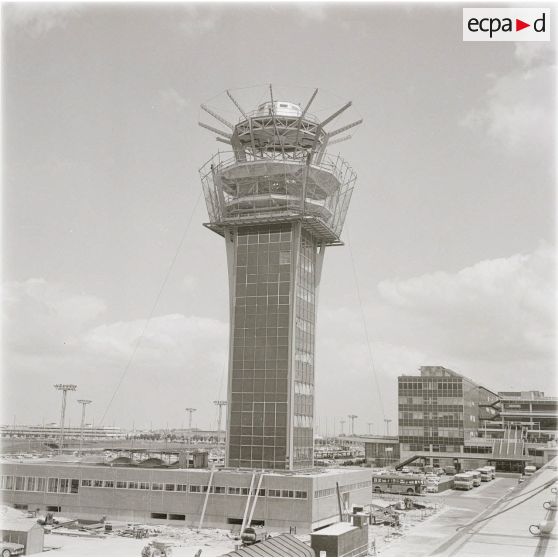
{"x": 529, "y": 470}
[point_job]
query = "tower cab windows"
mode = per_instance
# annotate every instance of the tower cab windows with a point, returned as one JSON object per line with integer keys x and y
{"x": 279, "y": 108}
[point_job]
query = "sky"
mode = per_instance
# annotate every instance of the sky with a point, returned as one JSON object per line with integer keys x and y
{"x": 449, "y": 255}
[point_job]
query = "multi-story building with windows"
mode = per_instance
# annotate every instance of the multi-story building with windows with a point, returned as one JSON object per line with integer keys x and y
{"x": 278, "y": 199}
{"x": 441, "y": 415}
{"x": 531, "y": 415}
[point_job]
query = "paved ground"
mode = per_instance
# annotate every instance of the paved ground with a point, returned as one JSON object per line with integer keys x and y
{"x": 507, "y": 533}
{"x": 458, "y": 508}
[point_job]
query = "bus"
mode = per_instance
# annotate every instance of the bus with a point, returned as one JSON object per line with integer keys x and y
{"x": 463, "y": 481}
{"x": 485, "y": 473}
{"x": 492, "y": 470}
{"x": 399, "y": 484}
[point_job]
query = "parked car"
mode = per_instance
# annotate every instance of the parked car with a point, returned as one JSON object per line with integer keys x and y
{"x": 11, "y": 549}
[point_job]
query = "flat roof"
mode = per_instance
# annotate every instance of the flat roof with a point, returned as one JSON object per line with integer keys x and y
{"x": 310, "y": 473}
{"x": 18, "y": 524}
{"x": 336, "y": 529}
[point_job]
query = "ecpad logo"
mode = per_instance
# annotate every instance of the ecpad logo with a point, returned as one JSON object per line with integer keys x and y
{"x": 506, "y": 24}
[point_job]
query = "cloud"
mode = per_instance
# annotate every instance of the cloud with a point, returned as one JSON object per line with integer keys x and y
{"x": 170, "y": 98}
{"x": 52, "y": 334}
{"x": 312, "y": 11}
{"x": 38, "y": 19}
{"x": 531, "y": 54}
{"x": 41, "y": 317}
{"x": 518, "y": 107}
{"x": 170, "y": 341}
{"x": 199, "y": 20}
{"x": 497, "y": 309}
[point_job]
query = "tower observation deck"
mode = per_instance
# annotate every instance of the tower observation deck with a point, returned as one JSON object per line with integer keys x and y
{"x": 278, "y": 198}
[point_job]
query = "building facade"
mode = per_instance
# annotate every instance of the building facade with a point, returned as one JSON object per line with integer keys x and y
{"x": 278, "y": 199}
{"x": 442, "y": 414}
{"x": 531, "y": 415}
{"x": 52, "y": 431}
{"x": 189, "y": 497}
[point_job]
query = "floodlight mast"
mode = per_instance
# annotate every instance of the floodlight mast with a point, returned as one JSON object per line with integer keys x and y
{"x": 64, "y": 388}
{"x": 279, "y": 199}
{"x": 83, "y": 403}
{"x": 190, "y": 411}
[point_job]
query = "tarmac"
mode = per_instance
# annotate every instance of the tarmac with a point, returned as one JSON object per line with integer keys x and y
{"x": 503, "y": 529}
{"x": 456, "y": 508}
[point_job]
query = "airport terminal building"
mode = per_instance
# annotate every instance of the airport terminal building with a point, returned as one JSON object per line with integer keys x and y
{"x": 190, "y": 497}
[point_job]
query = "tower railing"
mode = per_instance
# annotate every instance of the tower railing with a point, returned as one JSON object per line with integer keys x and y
{"x": 286, "y": 188}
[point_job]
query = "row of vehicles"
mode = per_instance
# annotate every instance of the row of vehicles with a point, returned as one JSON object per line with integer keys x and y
{"x": 470, "y": 479}
{"x": 413, "y": 483}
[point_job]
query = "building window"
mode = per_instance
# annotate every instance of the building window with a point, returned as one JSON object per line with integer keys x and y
{"x": 169, "y": 487}
{"x": 274, "y": 493}
{"x": 156, "y": 486}
{"x": 86, "y": 482}
{"x": 181, "y": 487}
{"x": 234, "y": 490}
{"x": 20, "y": 483}
{"x": 302, "y": 494}
{"x": 74, "y": 486}
{"x": 195, "y": 488}
{"x": 107, "y": 483}
{"x": 132, "y": 484}
{"x": 144, "y": 486}
{"x": 52, "y": 485}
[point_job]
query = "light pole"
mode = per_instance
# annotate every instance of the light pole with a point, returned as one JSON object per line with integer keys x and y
{"x": 370, "y": 424}
{"x": 352, "y": 417}
{"x": 190, "y": 411}
{"x": 387, "y": 421}
{"x": 220, "y": 404}
{"x": 83, "y": 403}
{"x": 342, "y": 423}
{"x": 64, "y": 388}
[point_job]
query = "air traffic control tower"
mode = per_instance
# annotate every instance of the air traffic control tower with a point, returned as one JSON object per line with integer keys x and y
{"x": 278, "y": 198}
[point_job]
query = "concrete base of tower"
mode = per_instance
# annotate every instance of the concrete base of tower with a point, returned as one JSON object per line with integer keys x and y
{"x": 301, "y": 501}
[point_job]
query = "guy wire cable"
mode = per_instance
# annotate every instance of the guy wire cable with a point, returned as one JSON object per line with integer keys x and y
{"x": 153, "y": 308}
{"x": 365, "y": 325}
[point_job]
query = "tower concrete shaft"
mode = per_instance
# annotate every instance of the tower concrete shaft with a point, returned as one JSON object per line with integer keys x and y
{"x": 64, "y": 388}
{"x": 83, "y": 403}
{"x": 278, "y": 199}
